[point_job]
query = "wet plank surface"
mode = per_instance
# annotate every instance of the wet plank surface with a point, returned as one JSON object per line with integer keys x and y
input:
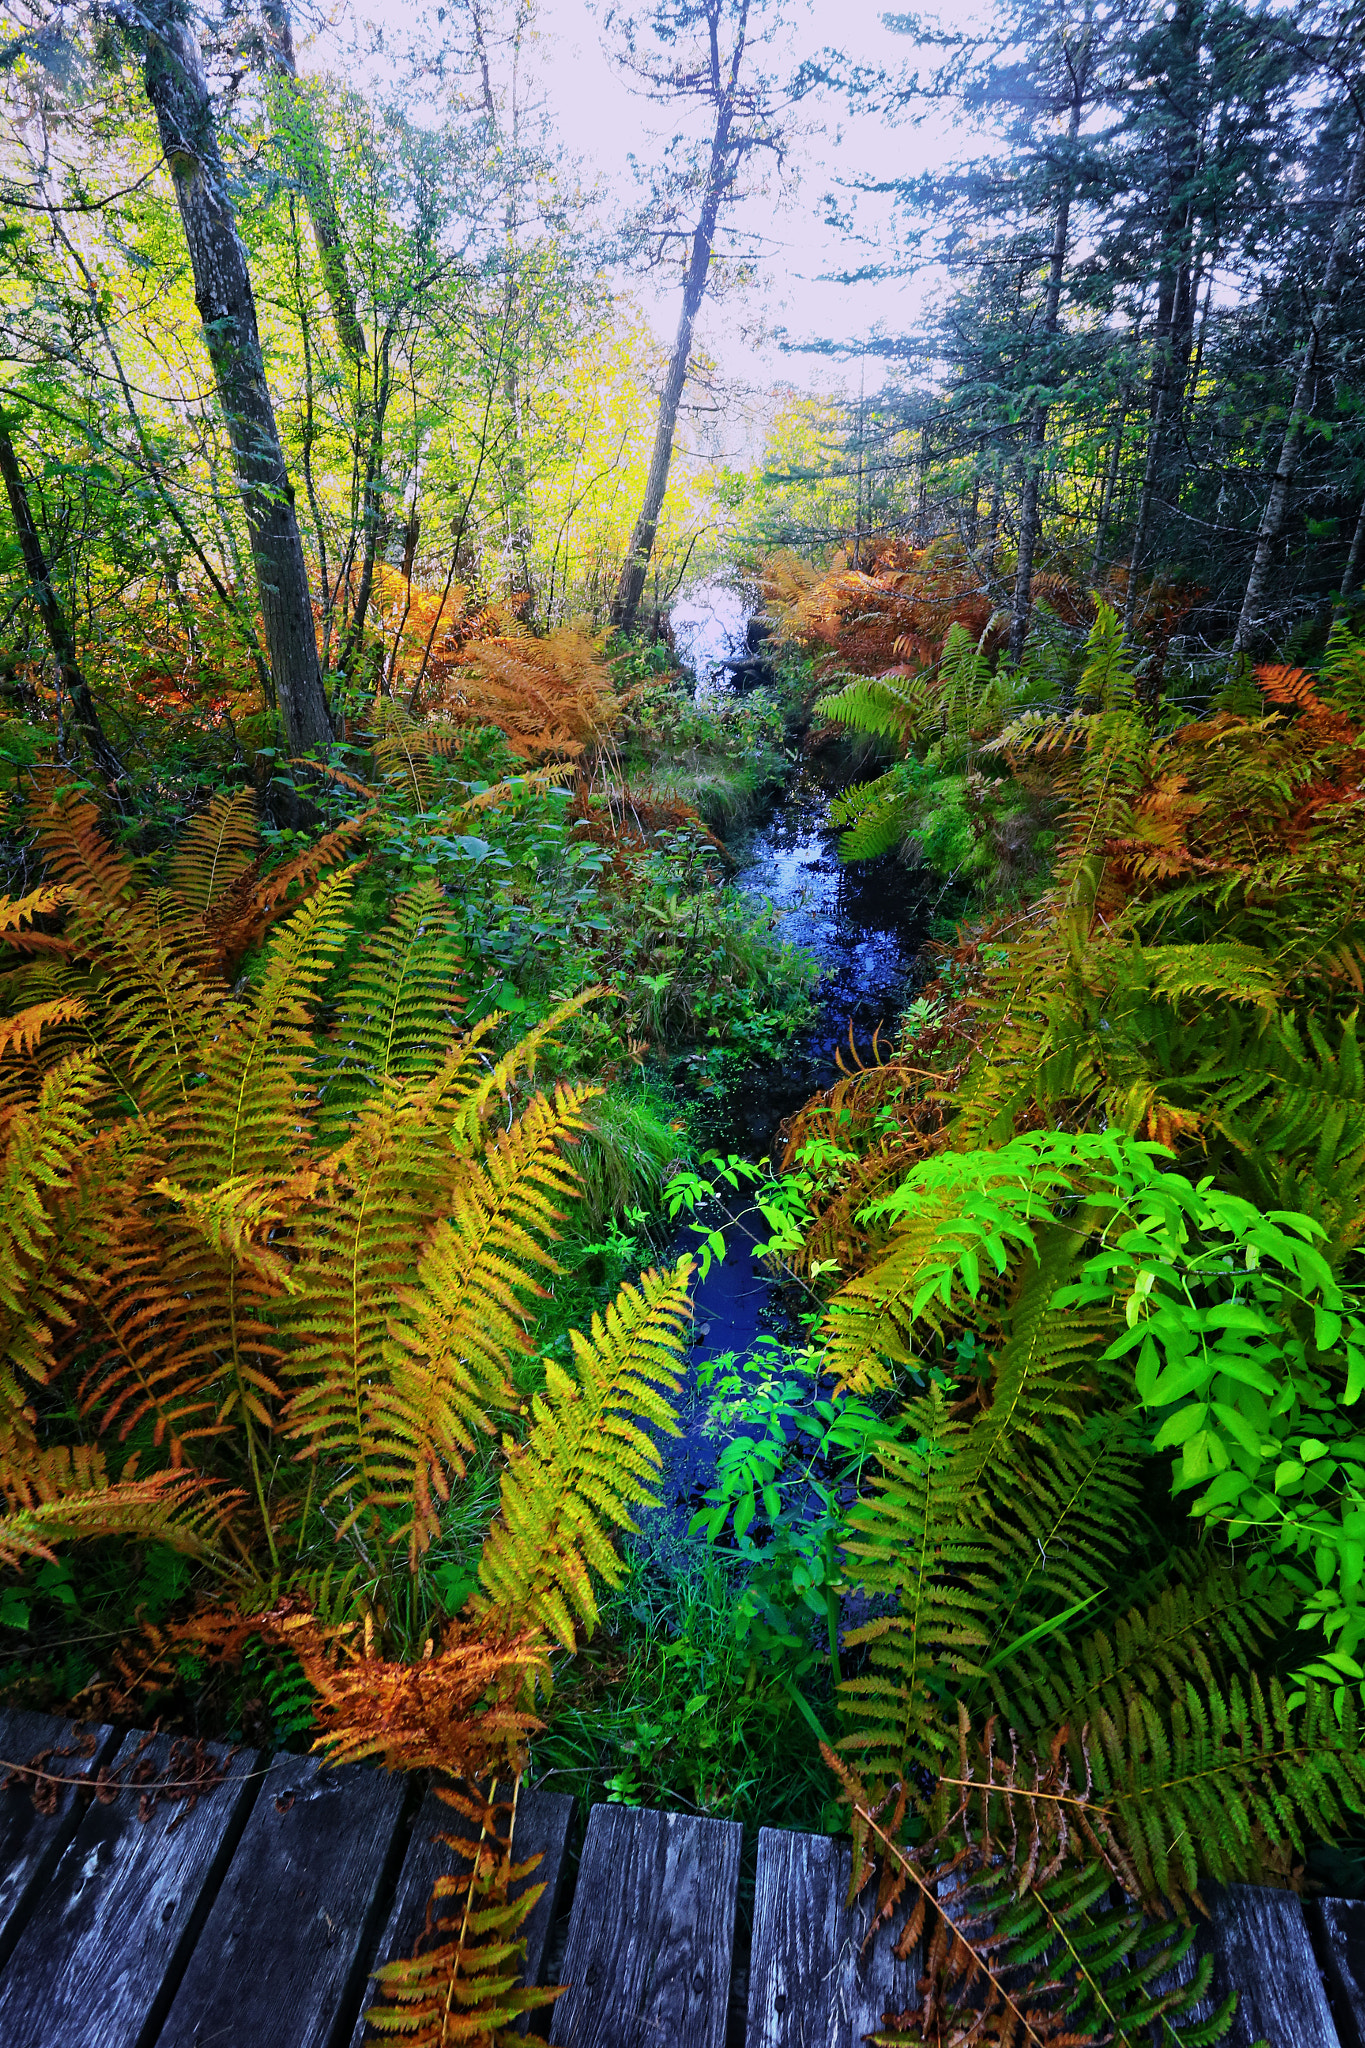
{"x": 811, "y": 1983}
{"x": 99, "y": 1959}
{"x": 33, "y": 1832}
{"x": 651, "y": 1936}
{"x": 542, "y": 1830}
{"x": 182, "y": 1896}
{"x": 865, "y": 1985}
{"x": 1262, "y": 1949}
{"x": 796, "y": 1897}
{"x": 286, "y": 1945}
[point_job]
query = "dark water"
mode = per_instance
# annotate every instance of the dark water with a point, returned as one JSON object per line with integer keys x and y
{"x": 864, "y": 925}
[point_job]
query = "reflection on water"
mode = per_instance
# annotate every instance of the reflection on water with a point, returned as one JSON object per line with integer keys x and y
{"x": 708, "y": 624}
{"x": 864, "y": 925}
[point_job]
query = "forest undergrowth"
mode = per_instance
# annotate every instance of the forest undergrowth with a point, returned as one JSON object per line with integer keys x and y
{"x": 340, "y": 1157}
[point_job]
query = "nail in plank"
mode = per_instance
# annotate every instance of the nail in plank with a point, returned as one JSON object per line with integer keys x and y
{"x": 287, "y": 1941}
{"x": 108, "y": 1937}
{"x": 1339, "y": 1925}
{"x": 542, "y": 1830}
{"x": 31, "y": 1840}
{"x": 797, "y": 1901}
{"x": 651, "y": 1935}
{"x": 1262, "y": 1951}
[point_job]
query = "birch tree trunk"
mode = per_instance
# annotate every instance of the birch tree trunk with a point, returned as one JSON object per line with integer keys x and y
{"x": 70, "y": 675}
{"x": 1350, "y": 575}
{"x": 1272, "y": 518}
{"x": 1037, "y": 436}
{"x": 1037, "y": 433}
{"x": 631, "y": 586}
{"x": 370, "y": 383}
{"x": 178, "y": 92}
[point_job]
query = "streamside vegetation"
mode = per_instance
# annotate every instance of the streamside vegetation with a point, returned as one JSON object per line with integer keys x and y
{"x": 370, "y": 974}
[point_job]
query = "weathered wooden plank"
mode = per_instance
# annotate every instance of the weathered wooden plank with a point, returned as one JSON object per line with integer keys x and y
{"x": 1338, "y": 1927}
{"x": 1261, "y": 1950}
{"x": 651, "y": 1935}
{"x": 38, "y": 1817}
{"x": 283, "y": 1956}
{"x": 798, "y": 1903}
{"x": 864, "y": 1986}
{"x": 104, "y": 1946}
{"x": 542, "y": 1830}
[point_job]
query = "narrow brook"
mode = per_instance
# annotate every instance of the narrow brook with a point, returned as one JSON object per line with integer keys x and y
{"x": 864, "y": 925}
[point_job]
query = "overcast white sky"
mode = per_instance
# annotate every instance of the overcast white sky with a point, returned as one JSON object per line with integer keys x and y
{"x": 601, "y": 121}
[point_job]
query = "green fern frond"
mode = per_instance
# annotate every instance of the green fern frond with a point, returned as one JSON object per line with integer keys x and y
{"x": 1197, "y": 1628}
{"x": 395, "y": 1013}
{"x": 1209, "y": 1782}
{"x": 917, "y": 1537}
{"x": 591, "y": 1456}
{"x": 1107, "y": 676}
{"x": 244, "y": 1115}
{"x": 40, "y": 1278}
{"x": 875, "y": 815}
{"x": 1222, "y": 967}
{"x": 883, "y": 707}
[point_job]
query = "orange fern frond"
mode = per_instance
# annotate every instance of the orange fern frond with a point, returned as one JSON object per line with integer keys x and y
{"x": 63, "y": 1494}
{"x": 22, "y": 1032}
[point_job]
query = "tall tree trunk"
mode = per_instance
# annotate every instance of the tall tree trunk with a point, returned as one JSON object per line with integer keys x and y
{"x": 1272, "y": 518}
{"x": 1111, "y": 477}
{"x": 1350, "y": 575}
{"x": 1037, "y": 435}
{"x": 369, "y": 403}
{"x": 70, "y": 674}
{"x": 630, "y": 588}
{"x": 178, "y": 93}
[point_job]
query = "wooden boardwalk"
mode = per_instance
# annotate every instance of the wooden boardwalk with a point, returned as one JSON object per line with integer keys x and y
{"x": 215, "y": 1900}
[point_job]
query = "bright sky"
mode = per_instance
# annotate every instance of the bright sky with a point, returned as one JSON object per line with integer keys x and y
{"x": 601, "y": 121}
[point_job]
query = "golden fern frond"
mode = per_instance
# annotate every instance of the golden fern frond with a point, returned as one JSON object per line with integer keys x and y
{"x": 17, "y": 911}
{"x": 186, "y": 1304}
{"x": 554, "y": 776}
{"x": 395, "y": 1014}
{"x": 463, "y": 1981}
{"x": 493, "y": 1084}
{"x": 63, "y": 1494}
{"x": 217, "y": 847}
{"x": 463, "y": 1317}
{"x": 455, "y": 1711}
{"x": 589, "y": 1458}
{"x": 146, "y": 975}
{"x": 38, "y": 1276}
{"x": 242, "y": 914}
{"x": 403, "y": 757}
